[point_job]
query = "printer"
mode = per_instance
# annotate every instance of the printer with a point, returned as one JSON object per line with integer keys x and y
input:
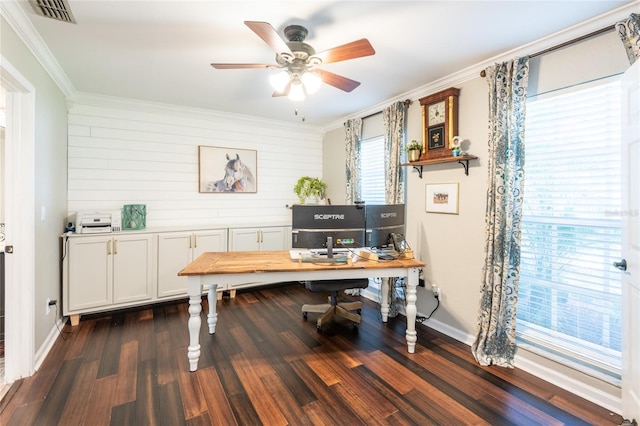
{"x": 98, "y": 222}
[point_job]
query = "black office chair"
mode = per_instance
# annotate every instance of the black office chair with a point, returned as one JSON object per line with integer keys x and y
{"x": 342, "y": 309}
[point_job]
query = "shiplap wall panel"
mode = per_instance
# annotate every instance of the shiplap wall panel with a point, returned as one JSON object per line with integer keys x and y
{"x": 137, "y": 155}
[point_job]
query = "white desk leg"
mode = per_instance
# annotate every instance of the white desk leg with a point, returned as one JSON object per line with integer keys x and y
{"x": 384, "y": 299}
{"x": 412, "y": 284}
{"x": 194, "y": 290}
{"x": 212, "y": 298}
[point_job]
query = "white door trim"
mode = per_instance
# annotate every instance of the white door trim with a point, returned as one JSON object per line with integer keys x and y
{"x": 19, "y": 178}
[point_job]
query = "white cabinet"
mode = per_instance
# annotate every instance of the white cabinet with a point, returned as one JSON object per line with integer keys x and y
{"x": 267, "y": 238}
{"x": 101, "y": 272}
{"x": 260, "y": 239}
{"x": 177, "y": 249}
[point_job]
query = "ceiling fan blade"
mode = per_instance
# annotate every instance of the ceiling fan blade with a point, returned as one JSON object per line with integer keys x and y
{"x": 239, "y": 66}
{"x": 266, "y": 32}
{"x": 335, "y": 80}
{"x": 355, "y": 49}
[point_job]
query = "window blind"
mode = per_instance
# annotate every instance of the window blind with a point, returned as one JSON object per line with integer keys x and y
{"x": 373, "y": 170}
{"x": 569, "y": 297}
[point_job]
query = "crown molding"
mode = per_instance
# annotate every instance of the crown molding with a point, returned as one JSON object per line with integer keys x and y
{"x": 17, "y": 19}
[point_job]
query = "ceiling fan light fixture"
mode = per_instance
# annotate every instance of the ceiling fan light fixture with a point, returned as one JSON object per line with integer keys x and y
{"x": 311, "y": 81}
{"x": 296, "y": 93}
{"x": 279, "y": 80}
{"x": 296, "y": 73}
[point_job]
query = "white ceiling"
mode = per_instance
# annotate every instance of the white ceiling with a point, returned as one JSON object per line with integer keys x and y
{"x": 160, "y": 51}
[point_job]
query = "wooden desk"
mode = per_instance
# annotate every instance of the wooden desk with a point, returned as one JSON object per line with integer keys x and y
{"x": 215, "y": 269}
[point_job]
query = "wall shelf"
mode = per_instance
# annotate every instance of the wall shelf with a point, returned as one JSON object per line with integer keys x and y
{"x": 463, "y": 160}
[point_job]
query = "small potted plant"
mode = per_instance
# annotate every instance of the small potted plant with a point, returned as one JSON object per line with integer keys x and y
{"x": 310, "y": 190}
{"x": 413, "y": 150}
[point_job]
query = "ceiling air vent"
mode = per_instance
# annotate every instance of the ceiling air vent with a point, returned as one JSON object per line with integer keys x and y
{"x": 54, "y": 9}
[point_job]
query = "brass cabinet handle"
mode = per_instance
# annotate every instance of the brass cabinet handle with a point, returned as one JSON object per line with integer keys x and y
{"x": 115, "y": 246}
{"x": 109, "y": 247}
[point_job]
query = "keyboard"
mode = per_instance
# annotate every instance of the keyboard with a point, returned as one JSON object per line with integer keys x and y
{"x": 335, "y": 250}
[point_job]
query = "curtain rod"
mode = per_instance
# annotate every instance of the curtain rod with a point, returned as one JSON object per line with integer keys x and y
{"x": 406, "y": 102}
{"x": 483, "y": 73}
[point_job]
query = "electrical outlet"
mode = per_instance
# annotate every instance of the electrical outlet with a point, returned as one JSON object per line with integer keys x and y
{"x": 50, "y": 303}
{"x": 436, "y": 290}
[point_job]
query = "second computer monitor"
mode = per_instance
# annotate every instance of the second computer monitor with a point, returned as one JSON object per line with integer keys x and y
{"x": 381, "y": 221}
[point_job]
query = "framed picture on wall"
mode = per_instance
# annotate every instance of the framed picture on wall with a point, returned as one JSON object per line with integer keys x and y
{"x": 227, "y": 170}
{"x": 442, "y": 198}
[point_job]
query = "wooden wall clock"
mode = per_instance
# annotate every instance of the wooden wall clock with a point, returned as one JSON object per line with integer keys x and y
{"x": 439, "y": 123}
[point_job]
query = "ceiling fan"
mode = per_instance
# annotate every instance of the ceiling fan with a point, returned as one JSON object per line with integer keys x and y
{"x": 299, "y": 63}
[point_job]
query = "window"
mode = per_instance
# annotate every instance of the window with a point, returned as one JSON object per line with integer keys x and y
{"x": 569, "y": 299}
{"x": 373, "y": 170}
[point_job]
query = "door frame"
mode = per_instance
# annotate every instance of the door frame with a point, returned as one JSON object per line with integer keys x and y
{"x": 19, "y": 201}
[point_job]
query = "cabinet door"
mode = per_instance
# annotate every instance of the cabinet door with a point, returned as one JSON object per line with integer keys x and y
{"x": 174, "y": 253}
{"x": 132, "y": 268}
{"x": 244, "y": 239}
{"x": 273, "y": 238}
{"x": 90, "y": 273}
{"x": 213, "y": 240}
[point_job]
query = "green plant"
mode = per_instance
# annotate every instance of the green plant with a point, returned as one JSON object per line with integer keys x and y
{"x": 310, "y": 187}
{"x": 413, "y": 146}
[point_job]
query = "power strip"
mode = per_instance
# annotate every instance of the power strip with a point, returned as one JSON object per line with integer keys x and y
{"x": 366, "y": 254}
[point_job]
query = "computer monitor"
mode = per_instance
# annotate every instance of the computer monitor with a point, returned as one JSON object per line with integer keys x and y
{"x": 381, "y": 221}
{"x": 313, "y": 224}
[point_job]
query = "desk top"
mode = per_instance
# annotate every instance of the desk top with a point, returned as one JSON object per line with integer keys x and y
{"x": 242, "y": 262}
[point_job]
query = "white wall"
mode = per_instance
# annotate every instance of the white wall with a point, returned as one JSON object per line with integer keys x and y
{"x": 333, "y": 165}
{"x": 125, "y": 152}
{"x": 50, "y": 179}
{"x": 452, "y": 245}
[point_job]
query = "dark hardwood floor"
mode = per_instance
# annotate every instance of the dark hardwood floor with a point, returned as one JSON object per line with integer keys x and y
{"x": 265, "y": 365}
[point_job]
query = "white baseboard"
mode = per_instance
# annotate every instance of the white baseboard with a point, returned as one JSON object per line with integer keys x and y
{"x": 452, "y": 332}
{"x": 44, "y": 350}
{"x": 591, "y": 392}
{"x": 371, "y": 294}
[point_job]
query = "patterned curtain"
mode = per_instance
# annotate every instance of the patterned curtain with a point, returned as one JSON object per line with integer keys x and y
{"x": 496, "y": 339}
{"x": 394, "y": 118}
{"x": 353, "y": 136}
{"x": 629, "y": 32}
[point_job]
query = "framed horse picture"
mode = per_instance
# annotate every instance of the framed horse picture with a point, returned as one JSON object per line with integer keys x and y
{"x": 227, "y": 170}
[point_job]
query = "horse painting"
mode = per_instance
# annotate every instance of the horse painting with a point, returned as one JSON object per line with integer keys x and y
{"x": 237, "y": 178}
